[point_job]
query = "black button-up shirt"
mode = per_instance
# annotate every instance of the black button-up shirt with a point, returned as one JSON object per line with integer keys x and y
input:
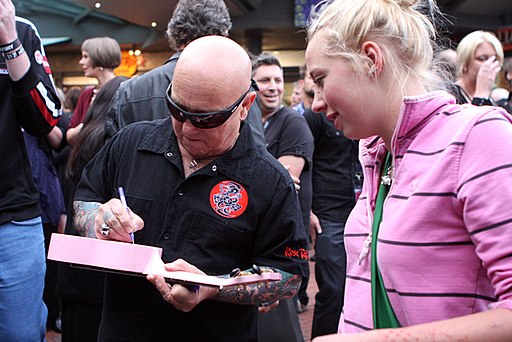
{"x": 239, "y": 210}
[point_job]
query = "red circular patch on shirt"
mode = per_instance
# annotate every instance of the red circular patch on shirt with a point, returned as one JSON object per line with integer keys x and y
{"x": 229, "y": 199}
{"x": 38, "y": 56}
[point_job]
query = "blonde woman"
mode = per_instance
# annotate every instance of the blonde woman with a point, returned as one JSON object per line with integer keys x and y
{"x": 428, "y": 246}
{"x": 100, "y": 56}
{"x": 479, "y": 60}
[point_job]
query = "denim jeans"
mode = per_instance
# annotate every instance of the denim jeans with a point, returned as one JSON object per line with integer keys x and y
{"x": 22, "y": 270}
{"x": 330, "y": 272}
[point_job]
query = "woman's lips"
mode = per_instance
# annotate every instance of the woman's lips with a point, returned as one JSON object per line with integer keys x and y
{"x": 332, "y": 116}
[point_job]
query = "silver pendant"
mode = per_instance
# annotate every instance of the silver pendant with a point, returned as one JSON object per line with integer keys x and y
{"x": 387, "y": 179}
{"x": 193, "y": 164}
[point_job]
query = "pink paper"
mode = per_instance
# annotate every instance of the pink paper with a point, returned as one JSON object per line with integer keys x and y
{"x": 133, "y": 258}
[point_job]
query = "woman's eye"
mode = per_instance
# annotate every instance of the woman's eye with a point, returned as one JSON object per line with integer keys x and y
{"x": 318, "y": 81}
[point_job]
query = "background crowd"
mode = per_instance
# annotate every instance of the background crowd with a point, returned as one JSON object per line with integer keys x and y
{"x": 383, "y": 144}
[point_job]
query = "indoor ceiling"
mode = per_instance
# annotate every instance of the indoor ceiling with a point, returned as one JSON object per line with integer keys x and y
{"x": 129, "y": 21}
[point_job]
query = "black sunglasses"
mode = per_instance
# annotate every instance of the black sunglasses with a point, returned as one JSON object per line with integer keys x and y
{"x": 203, "y": 120}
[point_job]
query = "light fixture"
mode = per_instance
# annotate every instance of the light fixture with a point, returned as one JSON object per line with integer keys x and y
{"x": 134, "y": 51}
{"x": 97, "y": 5}
{"x": 153, "y": 24}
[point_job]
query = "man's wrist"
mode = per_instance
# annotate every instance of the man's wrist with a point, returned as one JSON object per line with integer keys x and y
{"x": 10, "y": 47}
{"x": 13, "y": 54}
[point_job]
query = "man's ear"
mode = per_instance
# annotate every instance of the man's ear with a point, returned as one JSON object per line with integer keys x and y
{"x": 246, "y": 104}
{"x": 375, "y": 57}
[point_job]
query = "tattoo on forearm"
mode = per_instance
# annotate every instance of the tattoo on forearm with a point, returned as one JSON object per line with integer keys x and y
{"x": 85, "y": 212}
{"x": 261, "y": 292}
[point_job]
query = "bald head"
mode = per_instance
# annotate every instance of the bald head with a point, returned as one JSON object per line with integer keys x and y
{"x": 213, "y": 74}
{"x": 213, "y": 66}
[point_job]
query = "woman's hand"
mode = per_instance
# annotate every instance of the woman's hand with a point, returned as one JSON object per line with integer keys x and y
{"x": 486, "y": 77}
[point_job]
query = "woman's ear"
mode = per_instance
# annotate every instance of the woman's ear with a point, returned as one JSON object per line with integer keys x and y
{"x": 374, "y": 54}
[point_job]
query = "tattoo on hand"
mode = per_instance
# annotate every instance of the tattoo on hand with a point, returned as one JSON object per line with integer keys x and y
{"x": 85, "y": 212}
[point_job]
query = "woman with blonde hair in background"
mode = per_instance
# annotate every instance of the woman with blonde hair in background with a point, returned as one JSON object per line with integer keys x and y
{"x": 479, "y": 60}
{"x": 100, "y": 56}
{"x": 428, "y": 246}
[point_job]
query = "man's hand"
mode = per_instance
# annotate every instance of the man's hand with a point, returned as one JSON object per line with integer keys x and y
{"x": 296, "y": 180}
{"x": 180, "y": 296}
{"x": 7, "y": 23}
{"x": 314, "y": 227}
{"x": 122, "y": 221}
{"x": 264, "y": 308}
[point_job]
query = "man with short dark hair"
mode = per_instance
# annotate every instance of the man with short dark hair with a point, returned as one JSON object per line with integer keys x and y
{"x": 289, "y": 140}
{"x": 307, "y": 94}
{"x": 143, "y": 97}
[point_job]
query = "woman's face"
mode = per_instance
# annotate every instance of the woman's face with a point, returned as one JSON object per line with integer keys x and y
{"x": 483, "y": 52}
{"x": 86, "y": 64}
{"x": 344, "y": 95}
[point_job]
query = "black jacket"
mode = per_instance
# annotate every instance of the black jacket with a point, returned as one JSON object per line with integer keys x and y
{"x": 30, "y": 104}
{"x": 143, "y": 98}
{"x": 239, "y": 210}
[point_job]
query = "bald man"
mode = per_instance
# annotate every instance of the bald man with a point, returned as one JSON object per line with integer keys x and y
{"x": 200, "y": 188}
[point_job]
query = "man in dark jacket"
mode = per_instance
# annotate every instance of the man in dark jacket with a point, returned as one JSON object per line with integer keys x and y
{"x": 143, "y": 97}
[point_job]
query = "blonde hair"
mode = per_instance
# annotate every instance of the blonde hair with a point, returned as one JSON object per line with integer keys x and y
{"x": 103, "y": 51}
{"x": 468, "y": 45}
{"x": 405, "y": 35}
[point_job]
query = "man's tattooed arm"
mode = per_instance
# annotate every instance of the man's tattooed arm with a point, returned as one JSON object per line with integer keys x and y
{"x": 85, "y": 212}
{"x": 261, "y": 292}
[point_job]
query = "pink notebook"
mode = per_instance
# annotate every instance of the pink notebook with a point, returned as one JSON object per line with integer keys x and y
{"x": 134, "y": 259}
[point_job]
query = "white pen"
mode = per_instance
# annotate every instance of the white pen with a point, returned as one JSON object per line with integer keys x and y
{"x": 123, "y": 200}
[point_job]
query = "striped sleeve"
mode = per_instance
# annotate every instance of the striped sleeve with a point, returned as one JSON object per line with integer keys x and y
{"x": 37, "y": 105}
{"x": 485, "y": 189}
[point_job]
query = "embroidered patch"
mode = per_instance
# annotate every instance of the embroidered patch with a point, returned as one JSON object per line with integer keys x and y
{"x": 229, "y": 199}
{"x": 38, "y": 56}
{"x": 292, "y": 253}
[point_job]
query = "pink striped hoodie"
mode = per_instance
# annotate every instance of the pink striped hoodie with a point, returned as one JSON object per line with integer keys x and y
{"x": 445, "y": 242}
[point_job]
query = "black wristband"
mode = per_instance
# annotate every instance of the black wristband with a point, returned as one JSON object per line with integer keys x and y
{"x": 11, "y": 46}
{"x": 480, "y": 101}
{"x": 12, "y": 55}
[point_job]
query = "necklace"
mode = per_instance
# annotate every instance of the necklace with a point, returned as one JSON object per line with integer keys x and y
{"x": 387, "y": 172}
{"x": 385, "y": 181}
{"x": 387, "y": 178}
{"x": 194, "y": 164}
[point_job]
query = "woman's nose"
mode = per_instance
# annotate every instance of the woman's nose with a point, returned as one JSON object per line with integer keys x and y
{"x": 318, "y": 104}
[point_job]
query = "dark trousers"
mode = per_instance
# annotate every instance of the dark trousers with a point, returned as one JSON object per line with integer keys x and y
{"x": 280, "y": 324}
{"x": 330, "y": 273}
{"x": 302, "y": 294}
{"x": 50, "y": 297}
{"x": 80, "y": 321}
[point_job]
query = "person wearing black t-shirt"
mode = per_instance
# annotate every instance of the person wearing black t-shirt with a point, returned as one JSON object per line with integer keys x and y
{"x": 335, "y": 165}
{"x": 289, "y": 140}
